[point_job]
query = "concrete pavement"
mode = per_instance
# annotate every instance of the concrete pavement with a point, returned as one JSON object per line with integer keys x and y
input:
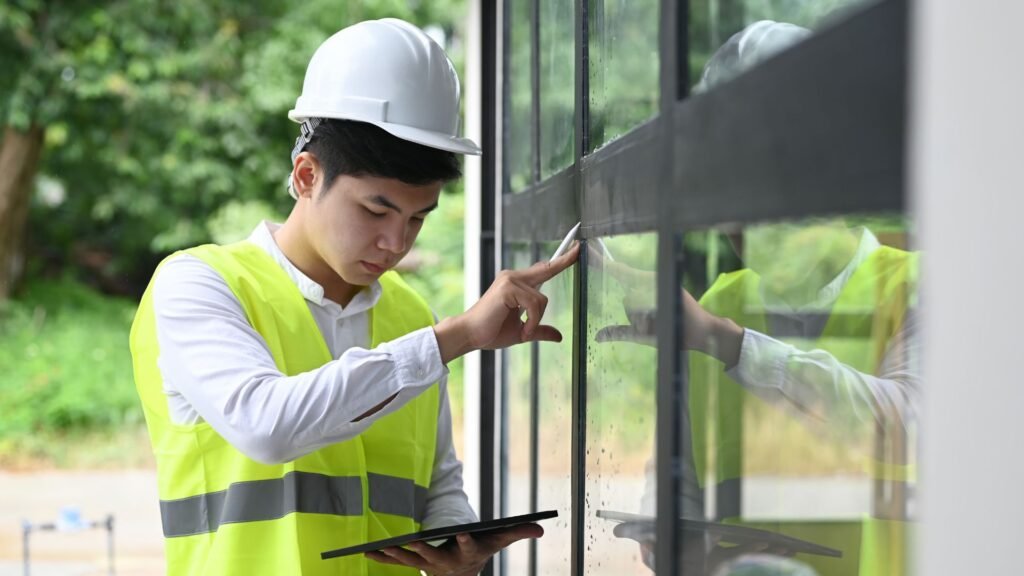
{"x": 130, "y": 495}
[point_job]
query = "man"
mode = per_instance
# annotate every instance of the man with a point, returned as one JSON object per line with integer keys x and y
{"x": 294, "y": 388}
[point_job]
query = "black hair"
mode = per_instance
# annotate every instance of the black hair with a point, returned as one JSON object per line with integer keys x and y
{"x": 360, "y": 149}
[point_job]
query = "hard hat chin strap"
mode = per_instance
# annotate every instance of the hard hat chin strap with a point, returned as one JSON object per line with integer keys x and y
{"x": 305, "y": 135}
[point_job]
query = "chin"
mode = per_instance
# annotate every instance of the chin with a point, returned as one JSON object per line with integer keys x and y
{"x": 357, "y": 275}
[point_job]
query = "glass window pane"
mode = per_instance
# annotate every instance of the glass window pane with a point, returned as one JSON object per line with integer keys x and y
{"x": 624, "y": 82}
{"x": 517, "y": 469}
{"x": 728, "y": 37}
{"x": 554, "y": 459}
{"x": 804, "y": 386}
{"x": 557, "y": 85}
{"x": 621, "y": 390}
{"x": 518, "y": 123}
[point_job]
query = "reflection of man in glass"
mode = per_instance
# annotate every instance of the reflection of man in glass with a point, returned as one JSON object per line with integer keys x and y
{"x": 818, "y": 323}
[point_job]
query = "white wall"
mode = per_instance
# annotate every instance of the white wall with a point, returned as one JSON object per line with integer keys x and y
{"x": 967, "y": 182}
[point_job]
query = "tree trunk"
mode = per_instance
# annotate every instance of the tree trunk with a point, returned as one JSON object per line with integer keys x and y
{"x": 19, "y": 160}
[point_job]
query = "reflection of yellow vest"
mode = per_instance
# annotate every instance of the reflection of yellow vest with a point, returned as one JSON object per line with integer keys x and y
{"x": 869, "y": 311}
{"x": 224, "y": 513}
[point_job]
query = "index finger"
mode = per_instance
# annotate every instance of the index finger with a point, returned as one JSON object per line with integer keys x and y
{"x": 543, "y": 271}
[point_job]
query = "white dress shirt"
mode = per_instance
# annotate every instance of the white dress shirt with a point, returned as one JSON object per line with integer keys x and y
{"x": 217, "y": 369}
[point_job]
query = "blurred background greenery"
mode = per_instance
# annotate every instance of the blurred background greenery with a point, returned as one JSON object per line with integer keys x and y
{"x": 132, "y": 129}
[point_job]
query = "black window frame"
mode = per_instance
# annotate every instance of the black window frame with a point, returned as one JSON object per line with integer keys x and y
{"x": 828, "y": 114}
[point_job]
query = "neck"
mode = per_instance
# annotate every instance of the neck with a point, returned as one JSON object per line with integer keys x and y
{"x": 300, "y": 253}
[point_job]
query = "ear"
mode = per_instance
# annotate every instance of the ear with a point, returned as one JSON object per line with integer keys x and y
{"x": 306, "y": 175}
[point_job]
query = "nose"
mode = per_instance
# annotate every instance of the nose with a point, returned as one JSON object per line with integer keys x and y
{"x": 392, "y": 238}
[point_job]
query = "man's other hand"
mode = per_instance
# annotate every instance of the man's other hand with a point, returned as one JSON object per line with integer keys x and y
{"x": 464, "y": 555}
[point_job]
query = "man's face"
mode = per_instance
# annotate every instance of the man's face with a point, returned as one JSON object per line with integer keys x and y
{"x": 362, "y": 226}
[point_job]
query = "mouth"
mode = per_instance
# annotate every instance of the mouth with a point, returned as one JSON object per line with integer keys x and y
{"x": 373, "y": 268}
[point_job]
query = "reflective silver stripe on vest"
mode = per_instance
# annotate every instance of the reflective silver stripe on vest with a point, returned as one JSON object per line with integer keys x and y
{"x": 296, "y": 492}
{"x": 263, "y": 500}
{"x": 399, "y": 496}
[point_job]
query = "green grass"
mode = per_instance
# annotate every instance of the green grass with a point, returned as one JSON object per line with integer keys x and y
{"x": 65, "y": 371}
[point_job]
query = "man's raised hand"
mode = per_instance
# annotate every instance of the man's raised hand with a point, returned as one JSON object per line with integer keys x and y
{"x": 496, "y": 320}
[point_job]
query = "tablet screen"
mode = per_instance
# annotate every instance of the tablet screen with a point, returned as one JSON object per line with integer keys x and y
{"x": 441, "y": 533}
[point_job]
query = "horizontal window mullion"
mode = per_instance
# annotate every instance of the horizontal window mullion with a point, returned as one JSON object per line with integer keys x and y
{"x": 818, "y": 130}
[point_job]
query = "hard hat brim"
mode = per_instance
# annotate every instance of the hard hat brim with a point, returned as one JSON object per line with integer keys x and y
{"x": 431, "y": 139}
{"x": 427, "y": 138}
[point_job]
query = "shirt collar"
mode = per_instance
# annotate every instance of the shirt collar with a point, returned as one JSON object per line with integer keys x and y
{"x": 263, "y": 236}
{"x": 828, "y": 295}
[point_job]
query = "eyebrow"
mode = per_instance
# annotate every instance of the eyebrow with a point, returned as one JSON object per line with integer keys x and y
{"x": 382, "y": 201}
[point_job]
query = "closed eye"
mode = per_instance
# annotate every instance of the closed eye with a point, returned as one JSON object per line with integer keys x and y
{"x": 375, "y": 214}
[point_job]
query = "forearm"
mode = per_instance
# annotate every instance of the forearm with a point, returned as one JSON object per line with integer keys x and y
{"x": 820, "y": 385}
{"x": 274, "y": 417}
{"x": 452, "y": 339}
{"x": 216, "y": 368}
{"x": 724, "y": 342}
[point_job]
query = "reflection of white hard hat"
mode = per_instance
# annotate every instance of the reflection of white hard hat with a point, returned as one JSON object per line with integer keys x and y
{"x": 388, "y": 73}
{"x": 748, "y": 47}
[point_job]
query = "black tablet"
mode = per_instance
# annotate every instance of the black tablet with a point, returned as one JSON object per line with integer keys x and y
{"x": 441, "y": 533}
{"x": 642, "y": 529}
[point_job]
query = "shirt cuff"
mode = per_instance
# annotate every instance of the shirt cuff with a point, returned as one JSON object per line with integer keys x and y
{"x": 417, "y": 364}
{"x": 418, "y": 357}
{"x": 762, "y": 361}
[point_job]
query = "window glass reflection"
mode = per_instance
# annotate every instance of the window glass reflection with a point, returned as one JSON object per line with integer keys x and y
{"x": 623, "y": 51}
{"x": 554, "y": 458}
{"x": 621, "y": 389}
{"x": 517, "y": 469}
{"x": 518, "y": 149}
{"x": 557, "y": 85}
{"x": 804, "y": 389}
{"x": 728, "y": 37}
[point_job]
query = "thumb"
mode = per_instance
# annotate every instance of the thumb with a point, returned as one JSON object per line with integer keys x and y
{"x": 521, "y": 532}
{"x": 544, "y": 333}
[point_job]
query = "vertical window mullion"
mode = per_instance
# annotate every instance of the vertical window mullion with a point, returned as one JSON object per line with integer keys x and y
{"x": 671, "y": 394}
{"x": 535, "y": 89}
{"x": 534, "y": 428}
{"x": 582, "y": 132}
{"x": 493, "y": 24}
{"x": 672, "y": 436}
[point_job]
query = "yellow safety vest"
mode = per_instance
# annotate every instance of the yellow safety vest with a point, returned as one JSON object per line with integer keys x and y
{"x": 224, "y": 513}
{"x": 869, "y": 311}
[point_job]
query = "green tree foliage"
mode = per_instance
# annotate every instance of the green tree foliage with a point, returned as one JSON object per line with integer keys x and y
{"x": 162, "y": 117}
{"x": 165, "y": 126}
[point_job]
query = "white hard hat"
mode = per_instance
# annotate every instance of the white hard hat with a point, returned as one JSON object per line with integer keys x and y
{"x": 747, "y": 48}
{"x": 388, "y": 73}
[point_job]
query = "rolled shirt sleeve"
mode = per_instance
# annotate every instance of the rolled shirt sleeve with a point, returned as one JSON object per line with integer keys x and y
{"x": 216, "y": 367}
{"x": 818, "y": 384}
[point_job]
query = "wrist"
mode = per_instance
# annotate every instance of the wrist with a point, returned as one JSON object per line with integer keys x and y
{"x": 728, "y": 338}
{"x": 452, "y": 340}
